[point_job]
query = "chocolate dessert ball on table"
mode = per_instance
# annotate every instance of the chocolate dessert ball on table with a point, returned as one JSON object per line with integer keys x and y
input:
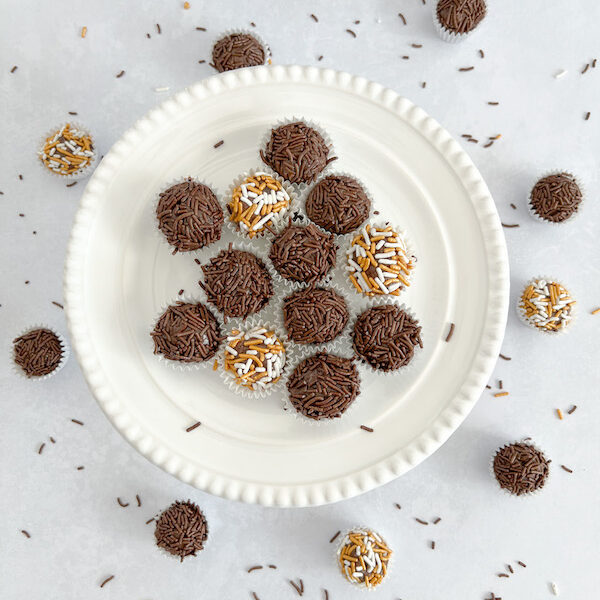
{"x": 314, "y": 315}
{"x": 190, "y": 216}
{"x": 187, "y": 333}
{"x": 455, "y": 19}
{"x": 385, "y": 337}
{"x": 555, "y": 198}
{"x": 297, "y": 152}
{"x": 338, "y": 204}
{"x": 237, "y": 283}
{"x": 323, "y": 386}
{"x": 181, "y": 530}
{"x": 520, "y": 468}
{"x": 38, "y": 352}
{"x": 238, "y": 50}
{"x": 303, "y": 254}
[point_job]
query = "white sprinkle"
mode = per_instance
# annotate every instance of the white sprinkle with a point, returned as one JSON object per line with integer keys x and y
{"x": 251, "y": 351}
{"x": 381, "y": 285}
{"x": 231, "y": 350}
{"x": 554, "y": 588}
{"x": 162, "y": 89}
{"x": 387, "y": 261}
{"x": 385, "y": 254}
{"x": 560, "y": 74}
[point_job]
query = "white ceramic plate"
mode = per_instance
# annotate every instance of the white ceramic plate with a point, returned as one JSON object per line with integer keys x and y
{"x": 119, "y": 274}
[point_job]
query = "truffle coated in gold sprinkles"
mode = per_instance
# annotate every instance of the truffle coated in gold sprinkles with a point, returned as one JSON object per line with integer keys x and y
{"x": 546, "y": 305}
{"x": 364, "y": 558}
{"x": 68, "y": 151}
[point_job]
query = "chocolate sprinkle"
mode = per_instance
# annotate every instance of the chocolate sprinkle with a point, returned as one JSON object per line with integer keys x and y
{"x": 37, "y": 352}
{"x": 323, "y": 386}
{"x": 237, "y": 283}
{"x": 338, "y": 204}
{"x": 194, "y": 426}
{"x": 385, "y": 337}
{"x": 460, "y": 16}
{"x": 520, "y": 468}
{"x": 351, "y": 32}
{"x": 181, "y": 530}
{"x": 14, "y": 69}
{"x": 503, "y": 357}
{"x": 402, "y": 17}
{"x": 450, "y": 332}
{"x": 77, "y": 422}
{"x": 255, "y": 568}
{"x": 237, "y": 51}
{"x": 555, "y": 198}
{"x": 465, "y": 69}
{"x": 121, "y": 503}
{"x": 138, "y": 499}
{"x": 421, "y": 521}
{"x": 41, "y": 448}
{"x": 314, "y": 315}
{"x": 188, "y": 333}
{"x": 219, "y": 144}
{"x": 107, "y": 580}
{"x": 436, "y": 521}
{"x": 25, "y": 533}
{"x": 297, "y": 152}
{"x": 365, "y": 428}
{"x": 334, "y": 537}
{"x": 190, "y": 216}
{"x": 314, "y": 18}
{"x": 120, "y": 74}
{"x": 303, "y": 254}
{"x": 572, "y": 409}
{"x": 566, "y": 469}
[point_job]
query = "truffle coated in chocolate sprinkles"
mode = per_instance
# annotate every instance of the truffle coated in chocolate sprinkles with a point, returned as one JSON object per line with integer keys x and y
{"x": 303, "y": 254}
{"x": 297, "y": 152}
{"x": 181, "y": 530}
{"x": 237, "y": 51}
{"x": 190, "y": 216}
{"x": 37, "y": 352}
{"x": 556, "y": 197}
{"x": 186, "y": 332}
{"x": 338, "y": 204}
{"x": 520, "y": 468}
{"x": 314, "y": 315}
{"x": 237, "y": 283}
{"x": 460, "y": 16}
{"x": 323, "y": 386}
{"x": 385, "y": 337}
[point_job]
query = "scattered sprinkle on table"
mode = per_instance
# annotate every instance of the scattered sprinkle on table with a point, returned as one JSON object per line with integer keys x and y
{"x": 334, "y": 537}
{"x": 493, "y": 103}
{"x": 200, "y": 28}
{"x": 500, "y": 384}
{"x": 500, "y": 394}
{"x": 560, "y": 74}
{"x": 504, "y": 357}
{"x": 325, "y": 595}
{"x": 481, "y": 53}
{"x": 417, "y": 45}
{"x": 138, "y": 499}
{"x": 572, "y": 409}
{"x": 423, "y": 84}
{"x": 587, "y": 116}
{"x": 465, "y": 69}
{"x": 421, "y": 521}
{"x": 72, "y": 184}
{"x": 272, "y": 566}
{"x": 432, "y": 545}
{"x": 320, "y": 58}
{"x": 186, "y": 6}
{"x": 255, "y": 596}
{"x": 158, "y": 28}
{"x": 596, "y": 311}
{"x": 402, "y": 17}
{"x": 80, "y": 468}
{"x": 218, "y": 144}
{"x": 365, "y": 428}
{"x": 296, "y": 587}
{"x": 255, "y": 568}
{"x": 121, "y": 503}
{"x": 25, "y": 533}
{"x": 149, "y": 521}
{"x": 398, "y": 506}
{"x": 41, "y": 449}
{"x": 314, "y": 18}
{"x": 566, "y": 469}
{"x": 201, "y": 62}
{"x": 503, "y": 575}
{"x": 14, "y": 69}
{"x": 436, "y": 521}
{"x": 405, "y": 57}
{"x": 559, "y": 414}
{"x": 194, "y": 426}
{"x": 83, "y": 32}
{"x": 52, "y": 440}
{"x": 519, "y": 562}
{"x": 107, "y": 580}
{"x": 510, "y": 225}
{"x": 21, "y": 177}
{"x": 584, "y": 70}
{"x": 554, "y": 588}
{"x": 120, "y": 74}
{"x": 77, "y": 422}
{"x": 512, "y": 205}
{"x": 351, "y": 32}
{"x": 450, "y": 333}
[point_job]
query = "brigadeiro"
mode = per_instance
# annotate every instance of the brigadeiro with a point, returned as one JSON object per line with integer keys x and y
{"x": 555, "y": 198}
{"x": 239, "y": 50}
{"x": 520, "y": 468}
{"x": 39, "y": 352}
{"x": 189, "y": 215}
{"x": 338, "y": 203}
{"x": 385, "y": 337}
{"x": 303, "y": 254}
{"x": 181, "y": 530}
{"x": 314, "y": 315}
{"x": 456, "y": 19}
{"x": 297, "y": 152}
{"x": 237, "y": 283}
{"x": 323, "y": 386}
{"x": 187, "y": 333}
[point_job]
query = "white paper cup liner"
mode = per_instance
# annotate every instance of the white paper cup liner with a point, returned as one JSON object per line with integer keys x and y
{"x": 290, "y": 409}
{"x": 278, "y": 223}
{"x": 200, "y": 253}
{"x": 345, "y": 266}
{"x": 301, "y": 186}
{"x": 82, "y": 173}
{"x": 66, "y": 352}
{"x": 279, "y": 386}
{"x": 174, "y": 556}
{"x": 178, "y": 365}
{"x": 525, "y": 321}
{"x": 504, "y": 490}
{"x": 418, "y": 351}
{"x": 338, "y": 551}
{"x": 574, "y": 216}
{"x": 342, "y": 344}
{"x": 255, "y": 249}
{"x": 238, "y": 31}
{"x": 450, "y": 36}
{"x": 291, "y": 286}
{"x": 342, "y": 238}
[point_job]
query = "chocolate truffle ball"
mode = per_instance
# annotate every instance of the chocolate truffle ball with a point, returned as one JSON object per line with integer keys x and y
{"x": 314, "y": 315}
{"x": 386, "y": 336}
{"x": 181, "y": 530}
{"x": 323, "y": 386}
{"x": 460, "y": 16}
{"x": 237, "y": 283}
{"x": 297, "y": 152}
{"x": 237, "y": 51}
{"x": 555, "y": 198}
{"x": 520, "y": 468}
{"x": 303, "y": 254}
{"x": 38, "y": 352}
{"x": 190, "y": 216}
{"x": 187, "y": 333}
{"x": 338, "y": 204}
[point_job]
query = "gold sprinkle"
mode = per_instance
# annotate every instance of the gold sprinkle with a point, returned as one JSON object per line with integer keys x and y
{"x": 559, "y": 413}
{"x": 500, "y": 394}
{"x": 83, "y": 32}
